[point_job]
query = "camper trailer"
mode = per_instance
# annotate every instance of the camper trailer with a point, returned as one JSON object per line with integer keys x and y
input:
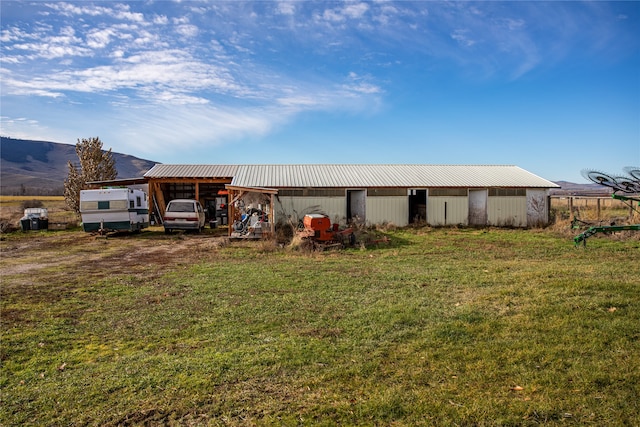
{"x": 114, "y": 209}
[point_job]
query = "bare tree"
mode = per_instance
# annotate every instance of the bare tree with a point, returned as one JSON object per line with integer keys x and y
{"x": 95, "y": 164}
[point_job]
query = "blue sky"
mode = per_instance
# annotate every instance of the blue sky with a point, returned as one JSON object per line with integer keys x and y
{"x": 553, "y": 87}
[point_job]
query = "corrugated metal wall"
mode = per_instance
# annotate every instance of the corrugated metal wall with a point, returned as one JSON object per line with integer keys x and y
{"x": 507, "y": 211}
{"x": 334, "y": 207}
{"x": 452, "y": 210}
{"x": 390, "y": 209}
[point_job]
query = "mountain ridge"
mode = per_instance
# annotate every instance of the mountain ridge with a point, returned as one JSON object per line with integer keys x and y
{"x": 30, "y": 167}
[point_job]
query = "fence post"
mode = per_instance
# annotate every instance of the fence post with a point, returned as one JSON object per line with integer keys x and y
{"x": 571, "y": 208}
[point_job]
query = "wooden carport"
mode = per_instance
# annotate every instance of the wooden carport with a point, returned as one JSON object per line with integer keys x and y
{"x": 155, "y": 189}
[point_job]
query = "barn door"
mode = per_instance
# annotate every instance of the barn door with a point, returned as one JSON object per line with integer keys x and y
{"x": 417, "y": 206}
{"x": 356, "y": 205}
{"x": 478, "y": 207}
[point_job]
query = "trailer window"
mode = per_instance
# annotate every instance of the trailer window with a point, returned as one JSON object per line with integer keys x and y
{"x": 138, "y": 201}
{"x": 131, "y": 206}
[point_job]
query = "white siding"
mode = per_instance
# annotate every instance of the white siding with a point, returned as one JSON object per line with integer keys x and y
{"x": 507, "y": 211}
{"x": 334, "y": 207}
{"x": 457, "y": 210}
{"x": 389, "y": 209}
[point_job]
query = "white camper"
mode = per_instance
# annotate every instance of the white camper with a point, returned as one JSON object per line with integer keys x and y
{"x": 114, "y": 209}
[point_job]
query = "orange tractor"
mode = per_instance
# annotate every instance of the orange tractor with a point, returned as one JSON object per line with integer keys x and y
{"x": 319, "y": 230}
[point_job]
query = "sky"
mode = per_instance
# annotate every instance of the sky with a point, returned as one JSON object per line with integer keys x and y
{"x": 552, "y": 87}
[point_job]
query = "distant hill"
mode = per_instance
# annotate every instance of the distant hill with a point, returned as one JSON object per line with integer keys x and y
{"x": 585, "y": 190}
{"x": 40, "y": 167}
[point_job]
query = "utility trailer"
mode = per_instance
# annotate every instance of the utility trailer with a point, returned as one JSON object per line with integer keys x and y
{"x": 114, "y": 209}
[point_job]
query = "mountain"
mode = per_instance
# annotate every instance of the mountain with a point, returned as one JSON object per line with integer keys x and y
{"x": 40, "y": 167}
{"x": 573, "y": 189}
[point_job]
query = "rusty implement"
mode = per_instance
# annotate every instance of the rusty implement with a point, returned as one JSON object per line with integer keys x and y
{"x": 325, "y": 235}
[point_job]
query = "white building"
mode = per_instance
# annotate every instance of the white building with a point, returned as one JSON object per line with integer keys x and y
{"x": 439, "y": 195}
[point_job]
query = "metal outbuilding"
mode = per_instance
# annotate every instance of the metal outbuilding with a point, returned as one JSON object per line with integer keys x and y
{"x": 477, "y": 195}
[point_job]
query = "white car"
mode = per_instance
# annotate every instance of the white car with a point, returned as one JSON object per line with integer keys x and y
{"x": 183, "y": 214}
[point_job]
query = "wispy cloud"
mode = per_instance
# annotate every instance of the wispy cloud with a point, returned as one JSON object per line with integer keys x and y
{"x": 192, "y": 62}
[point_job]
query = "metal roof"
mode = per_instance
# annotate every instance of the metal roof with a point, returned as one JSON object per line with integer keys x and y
{"x": 410, "y": 176}
{"x": 192, "y": 171}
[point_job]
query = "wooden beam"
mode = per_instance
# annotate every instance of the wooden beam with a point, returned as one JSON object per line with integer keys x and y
{"x": 159, "y": 197}
{"x": 262, "y": 190}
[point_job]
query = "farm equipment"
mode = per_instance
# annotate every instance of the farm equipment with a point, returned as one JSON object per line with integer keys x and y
{"x": 253, "y": 224}
{"x": 630, "y": 184}
{"x": 318, "y": 229}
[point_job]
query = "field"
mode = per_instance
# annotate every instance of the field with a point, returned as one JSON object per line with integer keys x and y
{"x": 438, "y": 327}
{"x": 12, "y": 209}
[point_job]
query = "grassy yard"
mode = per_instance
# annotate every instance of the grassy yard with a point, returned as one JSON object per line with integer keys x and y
{"x": 439, "y": 327}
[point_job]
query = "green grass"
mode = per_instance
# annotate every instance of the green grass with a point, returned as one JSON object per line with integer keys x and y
{"x": 440, "y": 327}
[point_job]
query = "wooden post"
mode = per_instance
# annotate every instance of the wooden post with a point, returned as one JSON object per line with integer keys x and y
{"x": 598, "y": 209}
{"x": 157, "y": 193}
{"x": 272, "y": 217}
{"x": 231, "y": 210}
{"x": 571, "y": 218}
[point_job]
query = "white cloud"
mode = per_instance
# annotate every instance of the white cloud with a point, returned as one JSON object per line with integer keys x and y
{"x": 187, "y": 30}
{"x": 176, "y": 130}
{"x": 341, "y": 14}
{"x": 515, "y": 24}
{"x": 355, "y": 11}
{"x": 286, "y": 7}
{"x": 300, "y": 102}
{"x": 123, "y": 12}
{"x": 12, "y": 34}
{"x": 216, "y": 46}
{"x": 160, "y": 20}
{"x": 360, "y": 85}
{"x": 97, "y": 39}
{"x": 181, "y": 20}
{"x": 461, "y": 36}
{"x": 67, "y": 32}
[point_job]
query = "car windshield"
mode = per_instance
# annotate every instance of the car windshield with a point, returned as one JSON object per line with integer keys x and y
{"x": 181, "y": 207}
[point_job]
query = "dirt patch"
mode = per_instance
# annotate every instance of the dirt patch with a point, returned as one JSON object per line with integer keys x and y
{"x": 78, "y": 252}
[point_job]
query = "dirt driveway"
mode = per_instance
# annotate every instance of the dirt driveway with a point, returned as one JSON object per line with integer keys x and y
{"x": 69, "y": 253}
